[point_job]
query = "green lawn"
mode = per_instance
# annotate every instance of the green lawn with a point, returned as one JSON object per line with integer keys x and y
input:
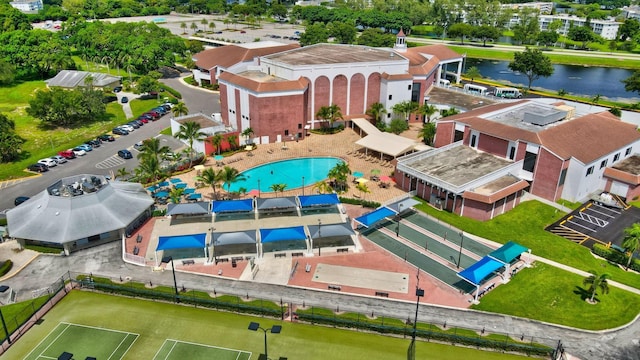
{"x": 525, "y": 225}
{"x": 559, "y": 298}
{"x": 156, "y": 322}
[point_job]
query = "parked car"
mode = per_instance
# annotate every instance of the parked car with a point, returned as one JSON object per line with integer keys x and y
{"x": 37, "y": 167}
{"x": 94, "y": 143}
{"x": 117, "y": 89}
{"x": 167, "y": 106}
{"x": 125, "y": 154}
{"x": 85, "y": 147}
{"x": 67, "y": 154}
{"x": 48, "y": 161}
{"x": 20, "y": 199}
{"x": 120, "y": 131}
{"x": 138, "y": 122}
{"x": 124, "y": 100}
{"x": 106, "y": 137}
{"x": 138, "y": 146}
{"x": 153, "y": 114}
{"x": 242, "y": 32}
{"x": 143, "y": 119}
{"x": 59, "y": 159}
{"x": 127, "y": 127}
{"x": 78, "y": 151}
{"x": 161, "y": 109}
{"x": 147, "y": 116}
{"x": 134, "y": 124}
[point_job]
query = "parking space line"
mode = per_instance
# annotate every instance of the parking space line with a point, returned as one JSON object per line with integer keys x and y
{"x": 580, "y": 225}
{"x": 110, "y": 162}
{"x": 607, "y": 209}
{"x": 592, "y": 219}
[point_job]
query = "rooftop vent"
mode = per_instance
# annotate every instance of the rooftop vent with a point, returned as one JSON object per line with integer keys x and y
{"x": 542, "y": 118}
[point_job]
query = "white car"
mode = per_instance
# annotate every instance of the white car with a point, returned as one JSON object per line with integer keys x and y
{"x": 78, "y": 151}
{"x": 59, "y": 159}
{"x": 127, "y": 127}
{"x": 48, "y": 161}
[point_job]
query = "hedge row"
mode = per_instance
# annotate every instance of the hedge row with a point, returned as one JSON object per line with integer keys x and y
{"x": 615, "y": 256}
{"x": 364, "y": 203}
{"x": 5, "y": 267}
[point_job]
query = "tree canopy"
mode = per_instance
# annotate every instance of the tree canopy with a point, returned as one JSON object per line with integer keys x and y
{"x": 10, "y": 142}
{"x": 533, "y": 63}
{"x": 67, "y": 108}
{"x": 314, "y": 34}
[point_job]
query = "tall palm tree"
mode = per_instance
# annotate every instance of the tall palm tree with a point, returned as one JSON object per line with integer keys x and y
{"x": 631, "y": 241}
{"x": 150, "y": 166}
{"x": 123, "y": 173}
{"x": 339, "y": 174}
{"x": 278, "y": 188}
{"x": 233, "y": 141}
{"x": 179, "y": 109}
{"x": 190, "y": 131}
{"x": 152, "y": 148}
{"x": 405, "y": 108}
{"x": 212, "y": 25}
{"x": 321, "y": 187}
{"x": 596, "y": 281}
{"x": 183, "y": 26}
{"x": 376, "y": 110}
{"x": 216, "y": 141}
{"x": 175, "y": 194}
{"x": 329, "y": 113}
{"x": 229, "y": 175}
{"x": 363, "y": 188}
{"x": 204, "y": 23}
{"x": 427, "y": 133}
{"x": 427, "y": 111}
{"x": 248, "y": 133}
{"x": 211, "y": 177}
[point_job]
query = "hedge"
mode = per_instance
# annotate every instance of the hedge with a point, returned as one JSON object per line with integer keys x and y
{"x": 364, "y": 203}
{"x": 615, "y": 256}
{"x": 6, "y": 267}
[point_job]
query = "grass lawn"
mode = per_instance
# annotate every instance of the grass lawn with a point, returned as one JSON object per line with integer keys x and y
{"x": 155, "y": 322}
{"x": 525, "y": 225}
{"x": 559, "y": 298}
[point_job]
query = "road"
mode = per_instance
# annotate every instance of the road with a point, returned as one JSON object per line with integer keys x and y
{"x": 103, "y": 160}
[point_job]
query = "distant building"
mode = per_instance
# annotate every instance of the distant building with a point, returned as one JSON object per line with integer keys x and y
{"x": 542, "y": 7}
{"x": 80, "y": 211}
{"x": 608, "y": 29}
{"x": 631, "y": 12}
{"x": 208, "y": 125}
{"x": 28, "y": 6}
{"x": 71, "y": 79}
{"x": 485, "y": 158}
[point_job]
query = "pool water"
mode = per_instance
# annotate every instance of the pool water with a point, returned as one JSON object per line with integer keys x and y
{"x": 288, "y": 172}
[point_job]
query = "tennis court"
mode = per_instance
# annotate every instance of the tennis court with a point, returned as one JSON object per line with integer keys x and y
{"x": 179, "y": 350}
{"x": 82, "y": 342}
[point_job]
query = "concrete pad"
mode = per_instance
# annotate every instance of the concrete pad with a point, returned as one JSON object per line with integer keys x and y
{"x": 363, "y": 278}
{"x": 273, "y": 271}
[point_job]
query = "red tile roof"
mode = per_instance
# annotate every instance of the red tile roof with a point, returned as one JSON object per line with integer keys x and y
{"x": 229, "y": 55}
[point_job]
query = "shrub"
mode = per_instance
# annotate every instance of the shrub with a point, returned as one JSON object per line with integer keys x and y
{"x": 364, "y": 203}
{"x": 615, "y": 256}
{"x": 173, "y": 92}
{"x": 5, "y": 267}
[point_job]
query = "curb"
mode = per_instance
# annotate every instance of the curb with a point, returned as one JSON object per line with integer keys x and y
{"x": 16, "y": 272}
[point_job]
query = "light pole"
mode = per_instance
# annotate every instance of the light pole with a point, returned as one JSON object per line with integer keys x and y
{"x": 460, "y": 253}
{"x": 419, "y": 293}
{"x": 319, "y": 234}
{"x": 258, "y": 187}
{"x": 169, "y": 259}
{"x": 303, "y": 186}
{"x": 275, "y": 329}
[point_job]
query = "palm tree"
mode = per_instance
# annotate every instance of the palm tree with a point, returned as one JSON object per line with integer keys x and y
{"x": 363, "y": 188}
{"x": 321, "y": 187}
{"x": 595, "y": 282}
{"x": 329, "y": 113}
{"x": 211, "y": 177}
{"x": 376, "y": 110}
{"x": 427, "y": 133}
{"x": 631, "y": 241}
{"x": 175, "y": 194}
{"x": 278, "y": 187}
{"x": 216, "y": 141}
{"x": 152, "y": 148}
{"x": 248, "y": 133}
{"x": 233, "y": 141}
{"x": 405, "y": 108}
{"x": 194, "y": 27}
{"x": 473, "y": 73}
{"x": 123, "y": 173}
{"x": 428, "y": 111}
{"x": 150, "y": 166}
{"x": 204, "y": 22}
{"x": 190, "y": 131}
{"x": 212, "y": 25}
{"x": 179, "y": 109}
{"x": 339, "y": 173}
{"x": 449, "y": 112}
{"x": 183, "y": 26}
{"x": 229, "y": 175}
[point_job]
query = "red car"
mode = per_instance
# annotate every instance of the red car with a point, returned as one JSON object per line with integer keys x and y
{"x": 153, "y": 114}
{"x": 67, "y": 154}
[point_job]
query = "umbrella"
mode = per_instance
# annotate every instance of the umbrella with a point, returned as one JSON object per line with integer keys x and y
{"x": 362, "y": 180}
{"x": 358, "y": 174}
{"x": 253, "y": 192}
{"x": 385, "y": 178}
{"x": 218, "y": 157}
{"x": 375, "y": 172}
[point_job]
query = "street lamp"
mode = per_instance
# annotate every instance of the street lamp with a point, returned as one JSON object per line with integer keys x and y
{"x": 303, "y": 186}
{"x": 460, "y": 253}
{"x": 258, "y": 187}
{"x": 419, "y": 293}
{"x": 319, "y": 234}
{"x": 169, "y": 259}
{"x": 275, "y": 329}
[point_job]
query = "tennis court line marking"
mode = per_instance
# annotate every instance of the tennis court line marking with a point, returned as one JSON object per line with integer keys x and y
{"x": 118, "y": 347}
{"x": 101, "y": 328}
{"x": 41, "y": 341}
{"x": 209, "y": 346}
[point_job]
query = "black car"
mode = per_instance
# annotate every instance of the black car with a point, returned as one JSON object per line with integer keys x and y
{"x": 125, "y": 154}
{"x": 20, "y": 199}
{"x": 106, "y": 137}
{"x": 147, "y": 116}
{"x": 120, "y": 131}
{"x": 134, "y": 124}
{"x": 124, "y": 100}
{"x": 94, "y": 143}
{"x": 117, "y": 89}
{"x": 38, "y": 167}
{"x": 138, "y": 121}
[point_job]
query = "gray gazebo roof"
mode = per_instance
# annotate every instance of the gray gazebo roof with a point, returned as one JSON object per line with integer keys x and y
{"x": 73, "y": 78}
{"x": 329, "y": 230}
{"x": 60, "y": 219}
{"x": 235, "y": 238}
{"x": 197, "y": 208}
{"x": 277, "y": 203}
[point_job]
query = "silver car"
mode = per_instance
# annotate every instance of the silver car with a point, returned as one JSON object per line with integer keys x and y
{"x": 59, "y": 159}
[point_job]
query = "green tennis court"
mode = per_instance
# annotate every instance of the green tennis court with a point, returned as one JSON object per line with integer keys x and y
{"x": 179, "y": 350}
{"x": 83, "y": 342}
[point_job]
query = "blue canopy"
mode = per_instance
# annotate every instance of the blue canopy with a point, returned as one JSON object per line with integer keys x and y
{"x": 181, "y": 241}
{"x": 507, "y": 252}
{"x": 282, "y": 234}
{"x": 373, "y": 217}
{"x": 232, "y": 205}
{"x": 480, "y": 270}
{"x": 321, "y": 199}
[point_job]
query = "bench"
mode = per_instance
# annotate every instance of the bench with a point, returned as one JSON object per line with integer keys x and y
{"x": 136, "y": 250}
{"x": 383, "y": 294}
{"x": 343, "y": 250}
{"x": 222, "y": 260}
{"x": 139, "y": 239}
{"x": 280, "y": 255}
{"x": 237, "y": 258}
{"x": 188, "y": 262}
{"x": 296, "y": 254}
{"x": 307, "y": 268}
{"x": 335, "y": 287}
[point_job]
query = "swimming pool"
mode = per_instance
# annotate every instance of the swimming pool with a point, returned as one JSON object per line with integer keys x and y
{"x": 288, "y": 172}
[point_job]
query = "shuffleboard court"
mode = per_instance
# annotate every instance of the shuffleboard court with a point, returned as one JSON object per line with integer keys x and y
{"x": 83, "y": 342}
{"x": 180, "y": 350}
{"x": 362, "y": 278}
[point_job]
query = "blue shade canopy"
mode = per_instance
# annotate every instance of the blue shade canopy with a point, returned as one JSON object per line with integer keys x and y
{"x": 507, "y": 252}
{"x": 175, "y": 180}
{"x": 232, "y": 205}
{"x": 282, "y": 234}
{"x": 181, "y": 241}
{"x": 357, "y": 174}
{"x": 375, "y": 216}
{"x": 316, "y": 200}
{"x": 480, "y": 270}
